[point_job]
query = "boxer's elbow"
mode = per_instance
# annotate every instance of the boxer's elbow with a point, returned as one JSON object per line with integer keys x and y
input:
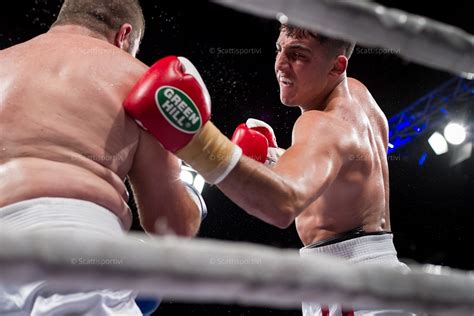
{"x": 187, "y": 225}
{"x": 183, "y": 231}
{"x": 192, "y": 228}
{"x": 171, "y": 226}
{"x": 189, "y": 231}
{"x": 187, "y": 228}
{"x": 282, "y": 221}
{"x": 284, "y": 216}
{"x": 289, "y": 205}
{"x": 151, "y": 227}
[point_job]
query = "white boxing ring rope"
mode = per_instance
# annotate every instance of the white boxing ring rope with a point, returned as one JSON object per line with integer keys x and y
{"x": 414, "y": 37}
{"x": 224, "y": 272}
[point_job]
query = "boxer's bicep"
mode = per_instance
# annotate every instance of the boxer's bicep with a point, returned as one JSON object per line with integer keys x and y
{"x": 279, "y": 195}
{"x": 162, "y": 199}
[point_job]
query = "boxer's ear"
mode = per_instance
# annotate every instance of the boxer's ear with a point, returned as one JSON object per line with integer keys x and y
{"x": 123, "y": 37}
{"x": 339, "y": 65}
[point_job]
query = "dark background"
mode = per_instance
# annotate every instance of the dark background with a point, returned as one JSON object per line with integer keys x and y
{"x": 431, "y": 206}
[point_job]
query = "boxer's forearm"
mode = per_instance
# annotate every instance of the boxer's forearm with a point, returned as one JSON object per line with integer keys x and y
{"x": 264, "y": 194}
{"x": 186, "y": 218}
{"x": 173, "y": 212}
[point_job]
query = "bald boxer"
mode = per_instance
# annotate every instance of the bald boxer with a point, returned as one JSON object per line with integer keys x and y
{"x": 66, "y": 146}
{"x": 333, "y": 180}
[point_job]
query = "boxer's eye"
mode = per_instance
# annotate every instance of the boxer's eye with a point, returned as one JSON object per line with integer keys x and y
{"x": 300, "y": 56}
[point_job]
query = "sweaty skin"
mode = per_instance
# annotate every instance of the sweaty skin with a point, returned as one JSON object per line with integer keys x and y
{"x": 334, "y": 177}
{"x": 64, "y": 133}
{"x": 358, "y": 194}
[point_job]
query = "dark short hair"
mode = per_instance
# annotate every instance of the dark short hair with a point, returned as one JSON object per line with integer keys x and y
{"x": 102, "y": 16}
{"x": 338, "y": 45}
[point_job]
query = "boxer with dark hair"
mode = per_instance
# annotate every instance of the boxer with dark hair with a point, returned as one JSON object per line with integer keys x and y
{"x": 333, "y": 180}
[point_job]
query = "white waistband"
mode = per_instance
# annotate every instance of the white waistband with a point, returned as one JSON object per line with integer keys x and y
{"x": 60, "y": 215}
{"x": 371, "y": 248}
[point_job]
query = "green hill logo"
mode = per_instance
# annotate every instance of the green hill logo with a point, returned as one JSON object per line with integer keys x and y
{"x": 178, "y": 109}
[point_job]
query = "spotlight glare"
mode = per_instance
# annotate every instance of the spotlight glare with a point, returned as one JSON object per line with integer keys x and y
{"x": 438, "y": 143}
{"x": 454, "y": 133}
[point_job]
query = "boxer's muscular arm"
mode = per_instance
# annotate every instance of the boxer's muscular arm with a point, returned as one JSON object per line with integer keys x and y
{"x": 277, "y": 196}
{"x": 159, "y": 192}
{"x": 301, "y": 175}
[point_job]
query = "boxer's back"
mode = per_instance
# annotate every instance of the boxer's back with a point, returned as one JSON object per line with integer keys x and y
{"x": 359, "y": 196}
{"x": 63, "y": 131}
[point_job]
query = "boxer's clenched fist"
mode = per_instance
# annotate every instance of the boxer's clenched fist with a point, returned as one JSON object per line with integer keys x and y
{"x": 171, "y": 101}
{"x": 258, "y": 141}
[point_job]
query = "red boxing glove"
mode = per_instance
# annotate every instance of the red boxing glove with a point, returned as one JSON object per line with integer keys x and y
{"x": 274, "y": 152}
{"x": 258, "y": 141}
{"x": 263, "y": 128}
{"x": 253, "y": 143}
{"x": 171, "y": 101}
